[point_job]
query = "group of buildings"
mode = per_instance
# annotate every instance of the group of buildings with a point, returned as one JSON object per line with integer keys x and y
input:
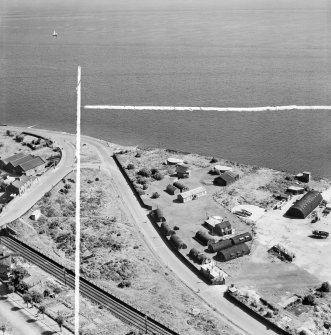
{"x": 21, "y": 172}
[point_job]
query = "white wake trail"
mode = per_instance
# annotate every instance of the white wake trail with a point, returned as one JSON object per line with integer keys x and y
{"x": 206, "y": 109}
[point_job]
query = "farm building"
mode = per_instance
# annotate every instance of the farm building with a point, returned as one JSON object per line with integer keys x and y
{"x": 166, "y": 230}
{"x": 192, "y": 194}
{"x": 177, "y": 242}
{"x": 225, "y": 179}
{"x": 199, "y": 257}
{"x": 4, "y": 162}
{"x": 159, "y": 216}
{"x": 171, "y": 189}
{"x": 180, "y": 186}
{"x": 213, "y": 274}
{"x": 241, "y": 238}
{"x": 220, "y": 245}
{"x": 223, "y": 228}
{"x": 303, "y": 207}
{"x": 204, "y": 238}
{"x": 233, "y": 252}
{"x": 295, "y": 190}
{"x": 183, "y": 171}
{"x": 18, "y": 187}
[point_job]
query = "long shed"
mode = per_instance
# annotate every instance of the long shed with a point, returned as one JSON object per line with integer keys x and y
{"x": 204, "y": 237}
{"x": 303, "y": 207}
{"x": 233, "y": 252}
{"x": 180, "y": 186}
{"x": 241, "y": 238}
{"x": 220, "y": 245}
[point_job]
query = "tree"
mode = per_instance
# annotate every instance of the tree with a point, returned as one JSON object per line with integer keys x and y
{"x": 42, "y": 310}
{"x": 8, "y": 133}
{"x": 57, "y": 290}
{"x": 308, "y": 300}
{"x": 60, "y": 321}
{"x": 17, "y": 275}
{"x": 47, "y": 292}
{"x": 325, "y": 287}
{"x": 158, "y": 176}
{"x": 36, "y": 297}
{"x": 3, "y": 327}
{"x": 155, "y": 195}
{"x": 27, "y": 299}
{"x": 145, "y": 172}
{"x": 214, "y": 160}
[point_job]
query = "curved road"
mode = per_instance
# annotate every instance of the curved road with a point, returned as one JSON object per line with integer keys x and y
{"x": 212, "y": 295}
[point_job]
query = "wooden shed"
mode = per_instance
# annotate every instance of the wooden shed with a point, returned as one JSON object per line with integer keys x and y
{"x": 225, "y": 179}
{"x": 233, "y": 252}
{"x": 220, "y": 245}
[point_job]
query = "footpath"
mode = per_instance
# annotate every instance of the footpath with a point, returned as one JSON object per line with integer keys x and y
{"x": 20, "y": 320}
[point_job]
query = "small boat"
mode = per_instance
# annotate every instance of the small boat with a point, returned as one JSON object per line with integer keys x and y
{"x": 54, "y": 34}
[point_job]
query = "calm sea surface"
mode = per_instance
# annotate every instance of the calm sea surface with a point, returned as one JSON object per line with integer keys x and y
{"x": 238, "y": 53}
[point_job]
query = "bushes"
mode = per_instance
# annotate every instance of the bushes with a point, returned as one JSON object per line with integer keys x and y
{"x": 214, "y": 160}
{"x": 130, "y": 166}
{"x": 308, "y": 300}
{"x": 144, "y": 172}
{"x": 158, "y": 176}
{"x": 325, "y": 287}
{"x": 124, "y": 283}
{"x": 36, "y": 297}
{"x": 155, "y": 195}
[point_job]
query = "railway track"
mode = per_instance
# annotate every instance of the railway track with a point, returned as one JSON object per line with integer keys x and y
{"x": 119, "y": 308}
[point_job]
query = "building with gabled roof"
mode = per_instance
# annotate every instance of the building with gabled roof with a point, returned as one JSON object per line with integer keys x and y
{"x": 19, "y": 186}
{"x": 192, "y": 194}
{"x": 225, "y": 179}
{"x": 233, "y": 252}
{"x": 213, "y": 273}
{"x": 30, "y": 167}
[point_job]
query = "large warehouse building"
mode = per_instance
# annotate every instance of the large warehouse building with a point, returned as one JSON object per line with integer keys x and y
{"x": 303, "y": 207}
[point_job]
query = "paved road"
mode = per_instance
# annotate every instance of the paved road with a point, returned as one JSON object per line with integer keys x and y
{"x": 212, "y": 295}
{"x": 20, "y": 205}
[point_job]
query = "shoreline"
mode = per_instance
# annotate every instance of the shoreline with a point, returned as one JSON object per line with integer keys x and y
{"x": 148, "y": 148}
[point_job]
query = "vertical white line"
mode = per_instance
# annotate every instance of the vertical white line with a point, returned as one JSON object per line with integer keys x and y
{"x": 77, "y": 240}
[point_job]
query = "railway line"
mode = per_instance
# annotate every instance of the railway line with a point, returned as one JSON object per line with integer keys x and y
{"x": 119, "y": 308}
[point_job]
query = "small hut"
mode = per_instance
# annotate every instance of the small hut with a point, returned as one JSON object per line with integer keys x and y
{"x": 241, "y": 238}
{"x": 220, "y": 245}
{"x": 225, "y": 179}
{"x": 204, "y": 238}
{"x": 177, "y": 242}
{"x": 233, "y": 252}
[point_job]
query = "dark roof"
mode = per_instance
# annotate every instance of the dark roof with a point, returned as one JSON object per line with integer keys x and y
{"x": 13, "y": 158}
{"x": 228, "y": 176}
{"x": 204, "y": 237}
{"x": 241, "y": 238}
{"x": 22, "y": 160}
{"x": 223, "y": 224}
{"x": 179, "y": 185}
{"x": 159, "y": 213}
{"x": 32, "y": 164}
{"x": 176, "y": 240}
{"x": 234, "y": 251}
{"x": 305, "y": 205}
{"x": 222, "y": 244}
{"x": 171, "y": 187}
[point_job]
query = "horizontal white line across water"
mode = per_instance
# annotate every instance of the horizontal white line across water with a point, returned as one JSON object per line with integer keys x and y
{"x": 206, "y": 109}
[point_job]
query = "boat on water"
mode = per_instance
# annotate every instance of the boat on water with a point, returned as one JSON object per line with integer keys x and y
{"x": 54, "y": 34}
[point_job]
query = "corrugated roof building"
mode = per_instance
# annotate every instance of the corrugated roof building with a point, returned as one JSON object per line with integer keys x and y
{"x": 204, "y": 237}
{"x": 303, "y": 207}
{"x": 233, "y": 252}
{"x": 220, "y": 245}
